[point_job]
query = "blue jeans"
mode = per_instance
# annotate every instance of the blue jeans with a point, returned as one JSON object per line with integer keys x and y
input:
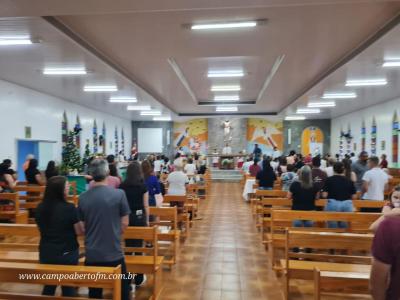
{"x": 303, "y": 223}
{"x": 338, "y": 206}
{"x": 265, "y": 188}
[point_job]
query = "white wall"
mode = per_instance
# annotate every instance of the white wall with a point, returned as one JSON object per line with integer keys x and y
{"x": 383, "y": 114}
{"x": 20, "y": 107}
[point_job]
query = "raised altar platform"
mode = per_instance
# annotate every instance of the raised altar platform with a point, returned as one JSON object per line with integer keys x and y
{"x": 225, "y": 175}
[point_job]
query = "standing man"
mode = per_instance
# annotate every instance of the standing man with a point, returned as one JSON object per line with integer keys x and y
{"x": 104, "y": 212}
{"x": 257, "y": 152}
{"x": 227, "y": 149}
{"x": 318, "y": 176}
{"x": 375, "y": 181}
{"x": 360, "y": 167}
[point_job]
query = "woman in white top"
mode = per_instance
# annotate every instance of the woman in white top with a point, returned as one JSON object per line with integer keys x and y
{"x": 177, "y": 182}
{"x": 190, "y": 168}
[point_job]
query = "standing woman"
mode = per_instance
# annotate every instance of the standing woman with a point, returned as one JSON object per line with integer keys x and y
{"x": 59, "y": 225}
{"x": 151, "y": 181}
{"x": 138, "y": 200}
{"x": 51, "y": 170}
{"x": 266, "y": 177}
{"x": 32, "y": 173}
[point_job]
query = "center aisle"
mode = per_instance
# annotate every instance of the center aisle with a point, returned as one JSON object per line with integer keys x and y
{"x": 223, "y": 258}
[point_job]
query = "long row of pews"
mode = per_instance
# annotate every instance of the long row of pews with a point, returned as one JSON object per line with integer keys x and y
{"x": 19, "y": 243}
{"x": 336, "y": 258}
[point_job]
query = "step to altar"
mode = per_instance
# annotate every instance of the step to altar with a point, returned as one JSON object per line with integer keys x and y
{"x": 225, "y": 175}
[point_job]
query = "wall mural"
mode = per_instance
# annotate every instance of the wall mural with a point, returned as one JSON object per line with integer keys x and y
{"x": 312, "y": 141}
{"x": 265, "y": 133}
{"x": 363, "y": 135}
{"x": 395, "y": 141}
{"x": 192, "y": 135}
{"x": 373, "y": 137}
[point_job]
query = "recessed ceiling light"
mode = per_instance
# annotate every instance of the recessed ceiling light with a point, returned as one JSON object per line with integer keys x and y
{"x": 65, "y": 71}
{"x": 227, "y": 25}
{"x": 225, "y": 88}
{"x": 11, "y": 40}
{"x": 227, "y": 73}
{"x": 123, "y": 100}
{"x": 100, "y": 88}
{"x": 367, "y": 82}
{"x": 226, "y": 98}
{"x": 226, "y": 108}
{"x": 388, "y": 64}
{"x": 135, "y": 107}
{"x": 162, "y": 119}
{"x": 308, "y": 111}
{"x": 339, "y": 95}
{"x": 295, "y": 118}
{"x": 321, "y": 104}
{"x": 150, "y": 113}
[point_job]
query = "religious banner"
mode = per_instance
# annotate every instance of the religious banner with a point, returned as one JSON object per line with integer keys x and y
{"x": 341, "y": 142}
{"x": 192, "y": 136}
{"x": 349, "y": 139}
{"x": 373, "y": 137}
{"x": 122, "y": 141}
{"x": 363, "y": 136}
{"x": 267, "y": 134}
{"x": 102, "y": 139}
{"x": 95, "y": 138}
{"x": 64, "y": 132}
{"x": 116, "y": 140}
{"x": 395, "y": 141}
{"x": 312, "y": 141}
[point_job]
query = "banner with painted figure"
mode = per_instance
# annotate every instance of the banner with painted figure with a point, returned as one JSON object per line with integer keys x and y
{"x": 267, "y": 134}
{"x": 312, "y": 141}
{"x": 192, "y": 136}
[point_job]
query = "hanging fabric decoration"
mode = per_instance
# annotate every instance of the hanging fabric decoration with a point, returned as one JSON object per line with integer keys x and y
{"x": 95, "y": 138}
{"x": 102, "y": 139}
{"x": 78, "y": 128}
{"x": 349, "y": 139}
{"x": 373, "y": 137}
{"x": 341, "y": 149}
{"x": 395, "y": 141}
{"x": 122, "y": 141}
{"x": 64, "y": 133}
{"x": 363, "y": 136}
{"x": 116, "y": 141}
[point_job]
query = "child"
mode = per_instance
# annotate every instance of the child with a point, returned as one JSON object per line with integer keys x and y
{"x": 288, "y": 177}
{"x": 391, "y": 208}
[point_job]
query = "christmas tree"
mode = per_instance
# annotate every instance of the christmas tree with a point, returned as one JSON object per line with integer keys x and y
{"x": 71, "y": 155}
{"x": 86, "y": 154}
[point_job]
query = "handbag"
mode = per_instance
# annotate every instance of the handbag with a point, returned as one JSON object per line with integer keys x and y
{"x": 159, "y": 199}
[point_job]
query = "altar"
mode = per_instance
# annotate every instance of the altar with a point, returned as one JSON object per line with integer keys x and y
{"x": 226, "y": 161}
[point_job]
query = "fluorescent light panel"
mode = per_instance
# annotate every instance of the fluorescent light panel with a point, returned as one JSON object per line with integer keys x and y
{"x": 226, "y": 98}
{"x": 223, "y": 74}
{"x": 339, "y": 95}
{"x": 123, "y": 100}
{"x": 100, "y": 88}
{"x": 15, "y": 40}
{"x": 227, "y": 25}
{"x": 308, "y": 111}
{"x": 162, "y": 119}
{"x": 394, "y": 63}
{"x": 366, "y": 82}
{"x": 136, "y": 107}
{"x": 321, "y": 104}
{"x": 295, "y": 118}
{"x": 226, "y": 108}
{"x": 150, "y": 113}
{"x": 65, "y": 71}
{"x": 225, "y": 88}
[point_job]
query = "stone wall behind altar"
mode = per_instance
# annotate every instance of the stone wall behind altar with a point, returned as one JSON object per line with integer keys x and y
{"x": 216, "y": 134}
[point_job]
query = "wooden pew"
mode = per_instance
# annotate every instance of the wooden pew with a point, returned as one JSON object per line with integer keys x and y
{"x": 16, "y": 215}
{"x": 357, "y": 204}
{"x": 262, "y": 194}
{"x": 167, "y": 216}
{"x": 283, "y": 219}
{"x": 183, "y": 214}
{"x": 10, "y": 272}
{"x": 340, "y": 282}
{"x": 151, "y": 262}
{"x": 351, "y": 258}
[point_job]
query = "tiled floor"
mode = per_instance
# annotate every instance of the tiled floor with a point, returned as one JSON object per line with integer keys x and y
{"x": 223, "y": 258}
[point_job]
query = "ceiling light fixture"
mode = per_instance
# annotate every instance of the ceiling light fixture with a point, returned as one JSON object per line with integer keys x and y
{"x": 226, "y": 98}
{"x": 367, "y": 82}
{"x": 226, "y": 108}
{"x": 295, "y": 118}
{"x": 223, "y": 74}
{"x": 100, "y": 88}
{"x": 15, "y": 40}
{"x": 162, "y": 119}
{"x": 65, "y": 71}
{"x": 135, "y": 107}
{"x": 388, "y": 64}
{"x": 123, "y": 100}
{"x": 225, "y": 88}
{"x": 321, "y": 104}
{"x": 339, "y": 95}
{"x": 308, "y": 111}
{"x": 226, "y": 25}
{"x": 150, "y": 113}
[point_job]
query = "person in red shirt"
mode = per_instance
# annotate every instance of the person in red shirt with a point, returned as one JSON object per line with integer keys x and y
{"x": 384, "y": 162}
{"x": 254, "y": 168}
